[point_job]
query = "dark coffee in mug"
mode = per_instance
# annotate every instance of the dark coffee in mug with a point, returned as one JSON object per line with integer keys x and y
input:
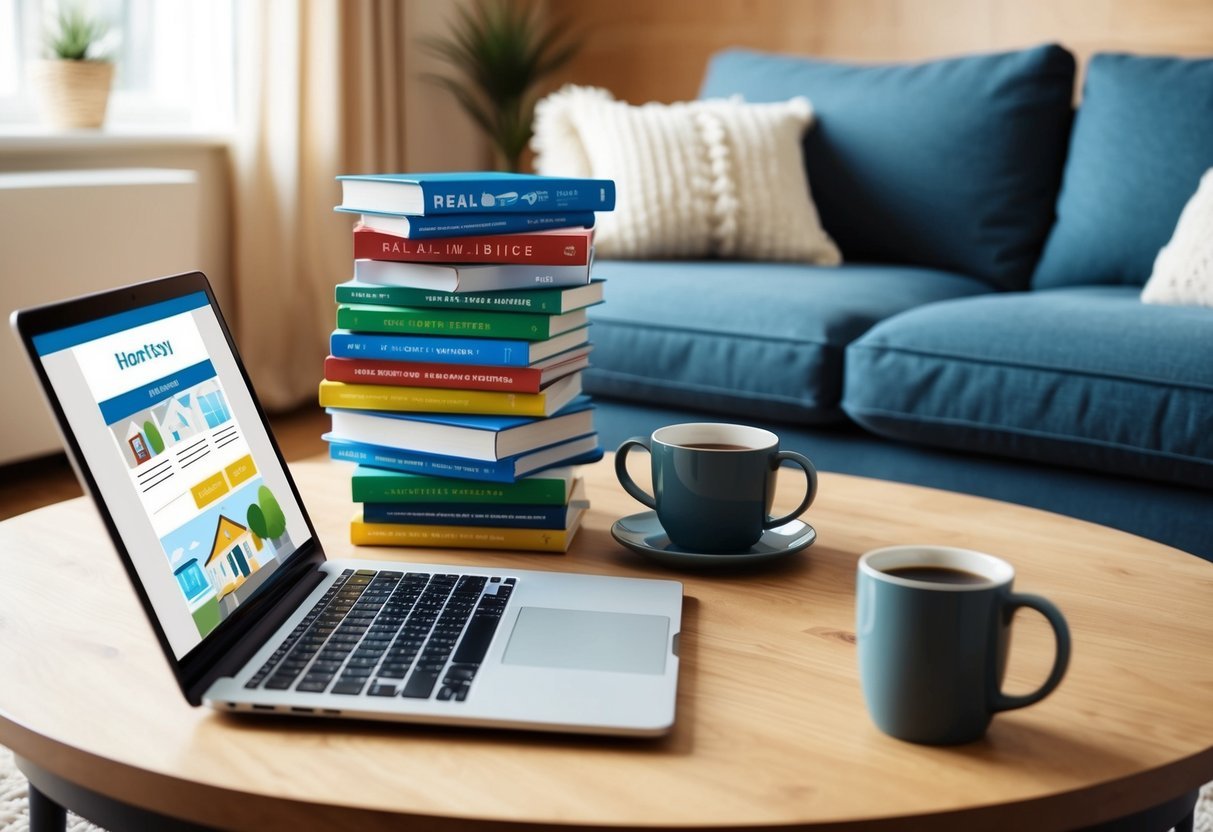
{"x": 713, "y": 483}
{"x": 936, "y": 575}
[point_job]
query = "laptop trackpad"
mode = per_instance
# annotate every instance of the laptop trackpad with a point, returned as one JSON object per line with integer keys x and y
{"x": 582, "y": 640}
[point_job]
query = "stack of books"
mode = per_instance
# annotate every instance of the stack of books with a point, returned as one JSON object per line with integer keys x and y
{"x": 454, "y": 378}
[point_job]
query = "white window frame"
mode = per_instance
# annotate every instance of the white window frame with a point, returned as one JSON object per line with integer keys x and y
{"x": 190, "y": 83}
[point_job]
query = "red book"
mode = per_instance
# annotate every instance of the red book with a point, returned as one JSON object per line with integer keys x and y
{"x": 458, "y": 376}
{"x": 558, "y": 247}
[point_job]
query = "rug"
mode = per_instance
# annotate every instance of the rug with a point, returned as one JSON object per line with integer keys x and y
{"x": 14, "y": 806}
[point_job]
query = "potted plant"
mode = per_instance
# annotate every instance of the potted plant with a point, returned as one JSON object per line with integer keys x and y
{"x": 73, "y": 82}
{"x": 500, "y": 51}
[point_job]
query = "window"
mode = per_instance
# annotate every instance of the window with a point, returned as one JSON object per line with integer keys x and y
{"x": 175, "y": 60}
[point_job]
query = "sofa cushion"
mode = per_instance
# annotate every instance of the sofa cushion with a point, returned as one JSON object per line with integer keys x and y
{"x": 950, "y": 164}
{"x": 762, "y": 340}
{"x": 1141, "y": 142}
{"x": 1085, "y": 376}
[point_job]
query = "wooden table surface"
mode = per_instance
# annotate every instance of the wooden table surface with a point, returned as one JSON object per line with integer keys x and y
{"x": 771, "y": 727}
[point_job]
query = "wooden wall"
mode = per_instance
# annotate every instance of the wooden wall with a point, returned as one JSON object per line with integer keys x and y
{"x": 646, "y": 50}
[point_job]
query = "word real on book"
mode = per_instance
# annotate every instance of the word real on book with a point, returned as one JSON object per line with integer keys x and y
{"x": 477, "y": 192}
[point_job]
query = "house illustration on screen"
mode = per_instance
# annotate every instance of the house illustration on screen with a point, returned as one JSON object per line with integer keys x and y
{"x": 201, "y": 409}
{"x": 233, "y": 557}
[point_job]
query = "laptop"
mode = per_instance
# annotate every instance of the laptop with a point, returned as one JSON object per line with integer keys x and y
{"x": 166, "y": 434}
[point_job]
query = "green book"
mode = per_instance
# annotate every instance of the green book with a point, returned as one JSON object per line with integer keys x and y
{"x": 542, "y": 301}
{"x": 457, "y": 322}
{"x": 376, "y": 485}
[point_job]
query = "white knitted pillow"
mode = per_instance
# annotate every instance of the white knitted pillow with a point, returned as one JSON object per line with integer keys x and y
{"x": 1183, "y": 270}
{"x": 693, "y": 179}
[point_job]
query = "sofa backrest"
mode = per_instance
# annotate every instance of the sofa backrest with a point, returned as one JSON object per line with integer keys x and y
{"x": 1141, "y": 141}
{"x": 951, "y": 164}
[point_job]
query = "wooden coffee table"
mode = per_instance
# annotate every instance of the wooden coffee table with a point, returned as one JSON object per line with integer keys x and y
{"x": 771, "y": 728}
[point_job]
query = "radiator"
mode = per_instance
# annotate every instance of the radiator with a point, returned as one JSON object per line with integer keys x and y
{"x": 64, "y": 233}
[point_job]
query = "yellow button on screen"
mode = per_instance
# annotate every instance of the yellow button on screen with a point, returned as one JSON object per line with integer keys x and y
{"x": 241, "y": 470}
{"x": 209, "y": 490}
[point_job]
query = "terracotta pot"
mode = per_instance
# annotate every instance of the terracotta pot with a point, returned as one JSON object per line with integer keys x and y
{"x": 73, "y": 94}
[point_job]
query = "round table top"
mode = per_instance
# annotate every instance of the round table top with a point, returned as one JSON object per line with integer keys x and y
{"x": 771, "y": 728}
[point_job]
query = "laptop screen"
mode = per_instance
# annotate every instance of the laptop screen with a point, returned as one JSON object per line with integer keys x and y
{"x": 170, "y": 433}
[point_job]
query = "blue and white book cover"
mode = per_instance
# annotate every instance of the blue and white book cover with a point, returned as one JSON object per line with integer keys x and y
{"x": 474, "y": 192}
{"x": 579, "y": 451}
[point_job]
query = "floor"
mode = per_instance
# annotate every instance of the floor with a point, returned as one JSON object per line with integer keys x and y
{"x": 26, "y": 486}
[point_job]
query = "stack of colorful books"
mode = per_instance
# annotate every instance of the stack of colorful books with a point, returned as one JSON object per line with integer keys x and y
{"x": 455, "y": 370}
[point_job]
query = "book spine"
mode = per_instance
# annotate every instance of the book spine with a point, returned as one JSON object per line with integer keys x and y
{"x": 526, "y": 491}
{"x": 459, "y": 225}
{"x": 537, "y": 249}
{"x": 542, "y": 301}
{"x": 518, "y": 196}
{"x": 430, "y": 400}
{"x": 487, "y": 352}
{"x": 512, "y": 517}
{"x": 363, "y": 533}
{"x": 434, "y": 466}
{"x": 473, "y": 278}
{"x": 464, "y": 323}
{"x": 408, "y": 374}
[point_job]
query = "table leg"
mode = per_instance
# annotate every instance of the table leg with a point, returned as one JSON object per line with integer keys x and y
{"x": 45, "y": 815}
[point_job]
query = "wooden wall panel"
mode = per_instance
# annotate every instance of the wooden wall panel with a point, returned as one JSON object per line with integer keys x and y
{"x": 646, "y": 50}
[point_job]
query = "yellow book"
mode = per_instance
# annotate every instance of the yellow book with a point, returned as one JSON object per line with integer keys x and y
{"x": 448, "y": 400}
{"x": 463, "y": 537}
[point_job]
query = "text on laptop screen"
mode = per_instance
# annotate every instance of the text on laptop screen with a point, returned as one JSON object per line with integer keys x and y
{"x": 170, "y": 433}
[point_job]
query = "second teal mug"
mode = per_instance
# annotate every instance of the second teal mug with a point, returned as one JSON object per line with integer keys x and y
{"x": 713, "y": 484}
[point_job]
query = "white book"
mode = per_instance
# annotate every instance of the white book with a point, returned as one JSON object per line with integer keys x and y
{"x": 480, "y": 277}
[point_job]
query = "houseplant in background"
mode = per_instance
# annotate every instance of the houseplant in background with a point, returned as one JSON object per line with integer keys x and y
{"x": 499, "y": 52}
{"x": 73, "y": 81}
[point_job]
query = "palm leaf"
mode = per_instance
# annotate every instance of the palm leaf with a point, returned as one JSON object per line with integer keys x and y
{"x": 498, "y": 52}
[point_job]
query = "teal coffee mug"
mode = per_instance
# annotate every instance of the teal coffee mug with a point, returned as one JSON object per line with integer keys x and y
{"x": 713, "y": 484}
{"x": 933, "y": 624}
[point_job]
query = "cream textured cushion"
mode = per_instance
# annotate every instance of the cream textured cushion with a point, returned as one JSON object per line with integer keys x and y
{"x": 693, "y": 179}
{"x": 1183, "y": 270}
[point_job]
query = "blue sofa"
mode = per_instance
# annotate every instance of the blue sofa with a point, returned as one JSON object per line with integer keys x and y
{"x": 985, "y": 333}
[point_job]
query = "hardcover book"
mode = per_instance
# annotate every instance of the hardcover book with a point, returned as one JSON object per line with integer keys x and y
{"x": 580, "y": 451}
{"x": 489, "y": 352}
{"x": 457, "y": 277}
{"x": 420, "y": 374}
{"x": 459, "y": 225}
{"x": 470, "y": 323}
{"x": 479, "y": 514}
{"x": 544, "y": 301}
{"x": 439, "y": 400}
{"x": 553, "y": 487}
{"x": 563, "y": 247}
{"x": 473, "y": 437}
{"x": 474, "y": 192}
{"x": 365, "y": 533}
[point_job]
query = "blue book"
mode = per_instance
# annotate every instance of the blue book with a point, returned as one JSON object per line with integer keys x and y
{"x": 486, "y": 352}
{"x": 467, "y": 436}
{"x": 464, "y": 225}
{"x": 473, "y": 192}
{"x": 579, "y": 451}
{"x": 478, "y": 514}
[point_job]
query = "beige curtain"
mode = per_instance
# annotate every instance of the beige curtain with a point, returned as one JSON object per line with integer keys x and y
{"x": 323, "y": 86}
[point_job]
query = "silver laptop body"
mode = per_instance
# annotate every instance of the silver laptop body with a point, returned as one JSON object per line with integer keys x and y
{"x": 166, "y": 434}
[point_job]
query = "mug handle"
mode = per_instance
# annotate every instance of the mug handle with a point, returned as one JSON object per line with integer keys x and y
{"x": 1006, "y": 702}
{"x": 810, "y": 475}
{"x": 621, "y": 470}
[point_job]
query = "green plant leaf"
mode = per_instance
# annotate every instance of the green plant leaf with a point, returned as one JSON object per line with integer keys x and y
{"x": 499, "y": 52}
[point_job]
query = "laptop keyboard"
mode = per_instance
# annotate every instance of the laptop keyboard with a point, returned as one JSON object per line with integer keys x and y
{"x": 384, "y": 633}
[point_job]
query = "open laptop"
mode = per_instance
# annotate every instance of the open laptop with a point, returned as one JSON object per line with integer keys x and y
{"x": 166, "y": 434}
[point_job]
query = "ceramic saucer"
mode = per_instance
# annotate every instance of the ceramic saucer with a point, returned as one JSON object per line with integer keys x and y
{"x": 644, "y": 535}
